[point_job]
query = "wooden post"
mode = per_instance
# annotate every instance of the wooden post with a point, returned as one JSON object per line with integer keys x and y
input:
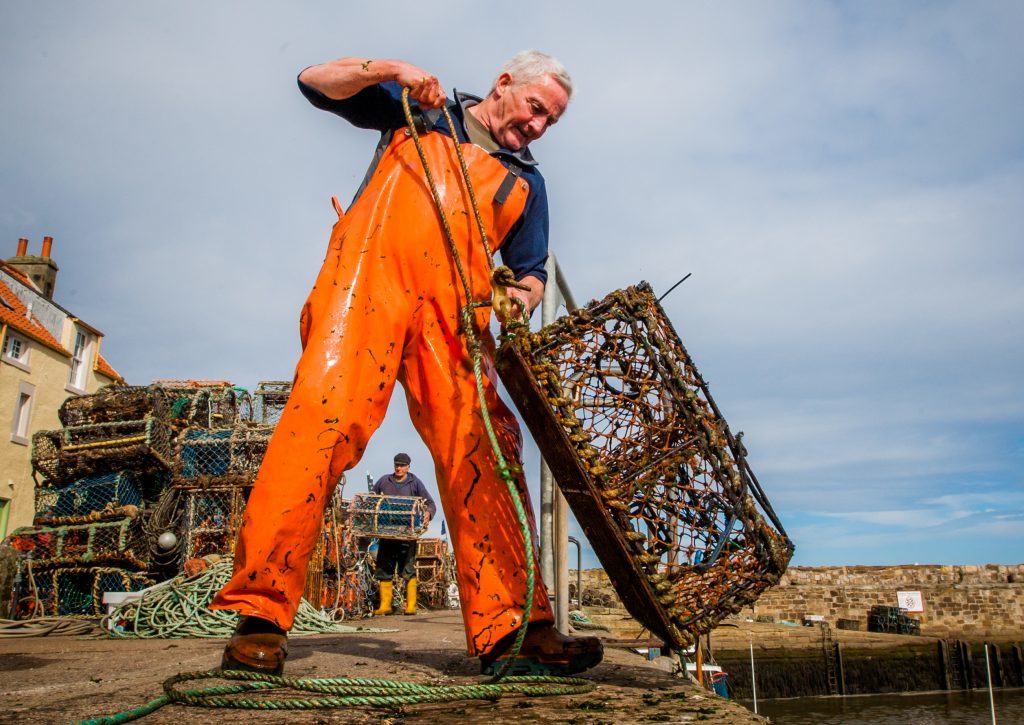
{"x": 700, "y": 662}
{"x": 840, "y": 674}
{"x": 968, "y": 663}
{"x": 1017, "y": 658}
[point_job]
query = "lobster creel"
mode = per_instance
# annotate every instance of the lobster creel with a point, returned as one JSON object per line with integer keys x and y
{"x": 654, "y": 476}
{"x": 388, "y": 517}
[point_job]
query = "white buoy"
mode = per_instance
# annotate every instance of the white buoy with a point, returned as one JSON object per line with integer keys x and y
{"x": 167, "y": 540}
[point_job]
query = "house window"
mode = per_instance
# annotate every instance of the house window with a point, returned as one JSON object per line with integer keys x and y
{"x": 5, "y": 511}
{"x": 79, "y": 362}
{"x": 16, "y": 350}
{"x": 22, "y": 413}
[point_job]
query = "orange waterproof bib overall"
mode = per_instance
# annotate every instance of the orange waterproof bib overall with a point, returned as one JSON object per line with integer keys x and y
{"x": 385, "y": 307}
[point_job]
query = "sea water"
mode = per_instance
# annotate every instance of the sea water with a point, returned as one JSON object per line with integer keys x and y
{"x": 917, "y": 708}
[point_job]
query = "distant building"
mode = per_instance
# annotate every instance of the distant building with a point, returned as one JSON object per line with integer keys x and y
{"x": 48, "y": 354}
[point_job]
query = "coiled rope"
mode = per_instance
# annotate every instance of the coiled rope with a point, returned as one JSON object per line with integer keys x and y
{"x": 44, "y": 627}
{"x": 178, "y": 608}
{"x": 336, "y": 692}
{"x": 342, "y": 692}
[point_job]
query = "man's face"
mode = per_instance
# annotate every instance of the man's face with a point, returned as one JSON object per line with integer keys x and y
{"x": 401, "y": 469}
{"x": 524, "y": 112}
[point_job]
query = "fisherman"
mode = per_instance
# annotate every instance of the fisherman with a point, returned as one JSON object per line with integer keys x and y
{"x": 386, "y": 307}
{"x": 400, "y": 553}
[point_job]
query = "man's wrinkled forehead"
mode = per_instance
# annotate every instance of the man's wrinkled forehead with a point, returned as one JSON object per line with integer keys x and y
{"x": 547, "y": 90}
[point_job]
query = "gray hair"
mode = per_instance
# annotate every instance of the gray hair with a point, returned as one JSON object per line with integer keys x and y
{"x": 531, "y": 65}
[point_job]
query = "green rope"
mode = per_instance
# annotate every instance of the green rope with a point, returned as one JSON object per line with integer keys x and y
{"x": 473, "y": 343}
{"x": 336, "y": 692}
{"x": 179, "y": 608}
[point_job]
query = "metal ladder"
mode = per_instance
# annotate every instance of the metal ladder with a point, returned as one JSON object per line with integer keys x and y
{"x": 954, "y": 665}
{"x": 829, "y": 649}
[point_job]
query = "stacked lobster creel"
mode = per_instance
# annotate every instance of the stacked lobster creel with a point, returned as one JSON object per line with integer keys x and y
{"x": 97, "y": 479}
{"x": 106, "y": 516}
{"x": 214, "y": 469}
{"x": 142, "y": 482}
{"x": 654, "y": 476}
{"x": 435, "y": 568}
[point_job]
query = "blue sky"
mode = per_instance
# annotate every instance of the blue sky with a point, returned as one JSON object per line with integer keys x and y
{"x": 845, "y": 182}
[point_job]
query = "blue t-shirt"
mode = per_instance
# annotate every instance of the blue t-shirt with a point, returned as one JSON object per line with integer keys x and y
{"x": 379, "y": 107}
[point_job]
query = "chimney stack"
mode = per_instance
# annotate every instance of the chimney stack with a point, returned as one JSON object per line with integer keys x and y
{"x": 41, "y": 270}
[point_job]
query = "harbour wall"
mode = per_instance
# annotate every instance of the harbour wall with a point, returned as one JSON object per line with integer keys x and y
{"x": 972, "y": 602}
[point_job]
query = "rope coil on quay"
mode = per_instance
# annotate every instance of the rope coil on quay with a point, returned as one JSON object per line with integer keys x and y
{"x": 337, "y": 692}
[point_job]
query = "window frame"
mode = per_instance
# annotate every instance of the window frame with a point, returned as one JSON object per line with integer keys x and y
{"x": 21, "y": 421}
{"x": 20, "y": 361}
{"x": 78, "y": 368}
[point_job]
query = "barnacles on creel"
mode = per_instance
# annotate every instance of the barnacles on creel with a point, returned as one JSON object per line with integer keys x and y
{"x": 673, "y": 487}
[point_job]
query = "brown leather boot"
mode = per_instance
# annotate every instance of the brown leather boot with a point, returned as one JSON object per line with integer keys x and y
{"x": 545, "y": 651}
{"x": 257, "y": 646}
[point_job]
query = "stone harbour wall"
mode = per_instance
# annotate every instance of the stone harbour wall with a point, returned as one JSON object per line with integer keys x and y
{"x": 973, "y": 601}
{"x": 959, "y": 601}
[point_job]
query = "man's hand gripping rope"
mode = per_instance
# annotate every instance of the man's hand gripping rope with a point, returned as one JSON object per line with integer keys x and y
{"x": 504, "y": 303}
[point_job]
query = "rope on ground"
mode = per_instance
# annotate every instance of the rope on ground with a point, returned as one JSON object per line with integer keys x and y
{"x": 334, "y": 692}
{"x": 579, "y": 620}
{"x": 178, "y": 608}
{"x": 44, "y": 627}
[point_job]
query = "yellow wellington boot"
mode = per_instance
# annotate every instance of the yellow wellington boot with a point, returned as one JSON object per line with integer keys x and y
{"x": 410, "y": 596}
{"x": 387, "y": 591}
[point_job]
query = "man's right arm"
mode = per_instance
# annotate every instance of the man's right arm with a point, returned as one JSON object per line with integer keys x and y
{"x": 345, "y": 77}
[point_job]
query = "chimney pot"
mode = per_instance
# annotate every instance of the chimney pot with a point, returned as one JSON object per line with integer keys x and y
{"x": 47, "y": 245}
{"x": 22, "y": 247}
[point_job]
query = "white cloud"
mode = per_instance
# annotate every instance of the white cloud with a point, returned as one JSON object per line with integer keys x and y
{"x": 842, "y": 180}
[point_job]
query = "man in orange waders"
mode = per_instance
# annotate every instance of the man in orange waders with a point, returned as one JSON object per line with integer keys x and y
{"x": 386, "y": 306}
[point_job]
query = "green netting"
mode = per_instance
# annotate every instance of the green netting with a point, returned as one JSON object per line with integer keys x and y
{"x": 113, "y": 403}
{"x": 104, "y": 496}
{"x": 270, "y": 398}
{"x": 212, "y": 517}
{"x": 144, "y": 446}
{"x": 234, "y": 453}
{"x": 70, "y": 591}
{"x": 391, "y": 517}
{"x": 205, "y": 403}
{"x": 103, "y": 542}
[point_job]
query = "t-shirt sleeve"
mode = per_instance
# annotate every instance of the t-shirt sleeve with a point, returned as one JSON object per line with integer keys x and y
{"x": 525, "y": 250}
{"x": 378, "y": 106}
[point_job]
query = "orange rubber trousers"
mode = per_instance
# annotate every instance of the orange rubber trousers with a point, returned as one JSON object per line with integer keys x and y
{"x": 386, "y": 307}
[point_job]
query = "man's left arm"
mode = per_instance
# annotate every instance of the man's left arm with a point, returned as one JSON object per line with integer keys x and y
{"x": 422, "y": 492}
{"x": 525, "y": 249}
